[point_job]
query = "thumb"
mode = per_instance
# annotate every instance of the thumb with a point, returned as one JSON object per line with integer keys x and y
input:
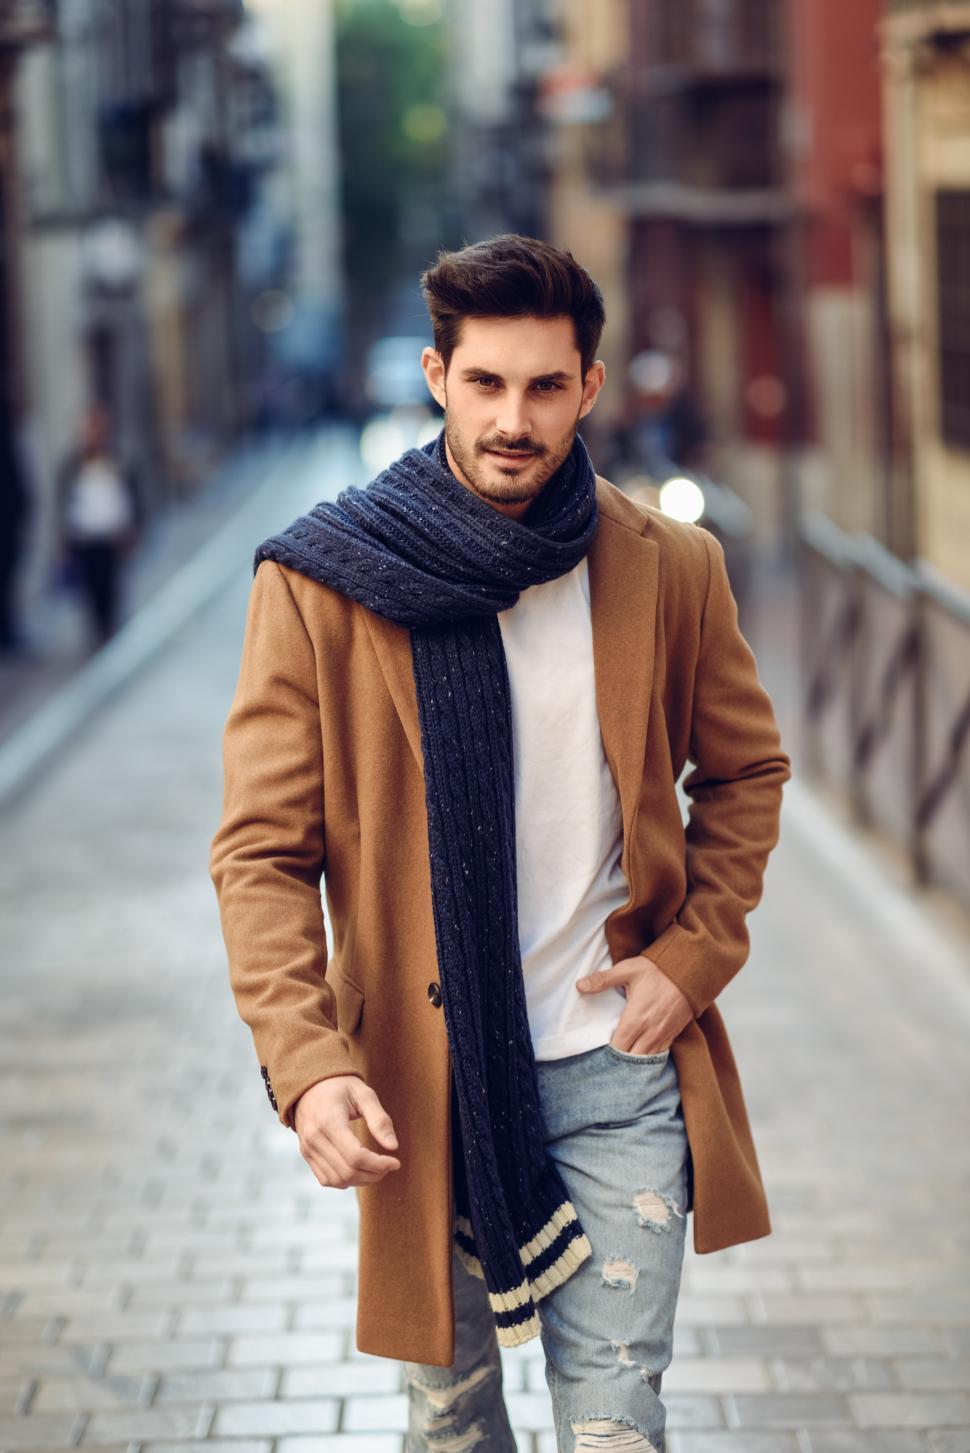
{"x": 612, "y": 978}
{"x": 378, "y": 1121}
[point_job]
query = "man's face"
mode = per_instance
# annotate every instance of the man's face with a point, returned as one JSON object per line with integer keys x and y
{"x": 513, "y": 397}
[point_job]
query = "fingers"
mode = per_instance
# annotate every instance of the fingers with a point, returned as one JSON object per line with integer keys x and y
{"x": 378, "y": 1121}
{"x": 332, "y": 1149}
{"x": 331, "y": 1169}
{"x": 344, "y": 1144}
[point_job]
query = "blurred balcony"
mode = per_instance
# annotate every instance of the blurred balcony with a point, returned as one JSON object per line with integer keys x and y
{"x": 692, "y": 44}
{"x": 23, "y": 22}
{"x": 709, "y": 156}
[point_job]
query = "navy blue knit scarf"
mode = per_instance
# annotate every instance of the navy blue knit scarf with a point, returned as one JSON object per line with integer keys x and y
{"x": 420, "y": 548}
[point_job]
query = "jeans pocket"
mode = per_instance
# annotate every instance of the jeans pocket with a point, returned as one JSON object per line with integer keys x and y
{"x": 637, "y": 1059}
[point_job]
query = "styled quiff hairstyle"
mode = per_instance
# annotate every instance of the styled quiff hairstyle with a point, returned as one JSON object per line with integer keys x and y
{"x": 511, "y": 276}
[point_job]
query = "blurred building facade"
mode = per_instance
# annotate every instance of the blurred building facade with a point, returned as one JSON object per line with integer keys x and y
{"x": 142, "y": 131}
{"x": 500, "y": 52}
{"x": 926, "y": 48}
{"x": 725, "y": 157}
{"x": 306, "y": 311}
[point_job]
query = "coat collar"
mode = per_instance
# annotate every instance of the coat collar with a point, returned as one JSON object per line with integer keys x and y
{"x": 623, "y": 581}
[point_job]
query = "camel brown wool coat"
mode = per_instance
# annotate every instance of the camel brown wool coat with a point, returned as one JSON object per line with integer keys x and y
{"x": 323, "y": 775}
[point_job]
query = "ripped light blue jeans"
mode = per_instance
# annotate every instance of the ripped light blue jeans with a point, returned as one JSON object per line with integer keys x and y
{"x": 614, "y": 1126}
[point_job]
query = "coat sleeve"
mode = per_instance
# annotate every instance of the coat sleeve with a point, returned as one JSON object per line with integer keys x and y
{"x": 735, "y": 790}
{"x": 267, "y": 855}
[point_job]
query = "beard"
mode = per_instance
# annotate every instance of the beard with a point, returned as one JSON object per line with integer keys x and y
{"x": 520, "y": 483}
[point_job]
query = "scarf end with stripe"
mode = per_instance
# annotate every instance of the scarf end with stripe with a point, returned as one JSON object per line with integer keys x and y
{"x": 558, "y": 1249}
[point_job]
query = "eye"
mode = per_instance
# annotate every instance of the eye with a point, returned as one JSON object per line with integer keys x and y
{"x": 485, "y": 379}
{"x": 548, "y": 385}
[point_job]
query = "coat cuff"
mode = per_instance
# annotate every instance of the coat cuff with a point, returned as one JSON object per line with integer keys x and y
{"x": 696, "y": 968}
{"x": 298, "y": 1072}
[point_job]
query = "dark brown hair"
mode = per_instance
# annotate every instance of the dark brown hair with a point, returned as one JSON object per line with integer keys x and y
{"x": 511, "y": 276}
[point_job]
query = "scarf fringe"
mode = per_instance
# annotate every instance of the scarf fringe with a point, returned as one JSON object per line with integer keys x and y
{"x": 574, "y": 1254}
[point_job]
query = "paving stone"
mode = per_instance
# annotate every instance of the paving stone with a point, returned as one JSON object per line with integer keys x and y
{"x": 244, "y": 1317}
{"x": 222, "y": 1386}
{"x": 830, "y": 1374}
{"x": 883, "y": 1341}
{"x": 187, "y": 1353}
{"x": 717, "y": 1375}
{"x": 290, "y": 1348}
{"x": 39, "y": 1359}
{"x": 14, "y": 1392}
{"x": 333, "y": 1255}
{"x": 308, "y": 1288}
{"x": 805, "y": 1307}
{"x": 697, "y": 1310}
{"x": 703, "y": 1441}
{"x": 181, "y": 1294}
{"x": 54, "y": 1430}
{"x": 92, "y": 1270}
{"x": 530, "y": 1411}
{"x": 139, "y": 1426}
{"x": 274, "y": 1419}
{"x": 523, "y": 1368}
{"x": 375, "y": 1414}
{"x": 63, "y": 1301}
{"x": 336, "y": 1312}
{"x": 910, "y": 1409}
{"x": 340, "y": 1379}
{"x": 212, "y": 1445}
{"x": 936, "y": 1310}
{"x": 793, "y": 1340}
{"x": 111, "y": 1325}
{"x": 786, "y": 1410}
{"x": 863, "y": 1276}
{"x": 930, "y": 1373}
{"x": 342, "y": 1443}
{"x": 815, "y": 1441}
{"x": 267, "y": 1261}
{"x": 15, "y": 1276}
{"x": 692, "y": 1410}
{"x": 946, "y": 1442}
{"x": 63, "y": 1394}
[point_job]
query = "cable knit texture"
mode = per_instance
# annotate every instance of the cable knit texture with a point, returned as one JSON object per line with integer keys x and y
{"x": 420, "y": 548}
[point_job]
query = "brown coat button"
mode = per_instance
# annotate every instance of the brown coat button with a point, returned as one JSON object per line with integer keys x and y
{"x": 434, "y": 994}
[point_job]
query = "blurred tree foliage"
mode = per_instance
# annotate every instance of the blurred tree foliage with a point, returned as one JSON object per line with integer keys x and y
{"x": 393, "y": 139}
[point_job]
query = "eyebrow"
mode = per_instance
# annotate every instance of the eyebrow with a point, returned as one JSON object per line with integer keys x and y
{"x": 559, "y": 375}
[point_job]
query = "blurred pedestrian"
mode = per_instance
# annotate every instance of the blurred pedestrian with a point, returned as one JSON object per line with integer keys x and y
{"x": 661, "y": 429}
{"x": 15, "y": 511}
{"x": 100, "y": 519}
{"x": 467, "y": 694}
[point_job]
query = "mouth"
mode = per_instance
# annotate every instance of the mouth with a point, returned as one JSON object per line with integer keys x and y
{"x": 512, "y": 456}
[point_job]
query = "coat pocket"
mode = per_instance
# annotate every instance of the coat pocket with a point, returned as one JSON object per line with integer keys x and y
{"x": 349, "y": 998}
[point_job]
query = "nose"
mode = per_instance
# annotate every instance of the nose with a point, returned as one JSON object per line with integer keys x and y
{"x": 511, "y": 420}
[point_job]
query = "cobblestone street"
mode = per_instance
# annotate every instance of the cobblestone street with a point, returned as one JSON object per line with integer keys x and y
{"x": 170, "y": 1271}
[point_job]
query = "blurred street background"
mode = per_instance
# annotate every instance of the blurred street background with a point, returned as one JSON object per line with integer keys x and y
{"x": 213, "y": 215}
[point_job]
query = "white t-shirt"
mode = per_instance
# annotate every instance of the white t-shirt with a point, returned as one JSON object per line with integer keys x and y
{"x": 569, "y": 830}
{"x": 98, "y": 505}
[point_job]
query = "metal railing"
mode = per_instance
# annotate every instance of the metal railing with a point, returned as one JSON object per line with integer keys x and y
{"x": 886, "y": 709}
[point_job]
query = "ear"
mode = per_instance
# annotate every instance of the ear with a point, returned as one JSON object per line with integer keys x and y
{"x": 593, "y": 382}
{"x": 434, "y": 374}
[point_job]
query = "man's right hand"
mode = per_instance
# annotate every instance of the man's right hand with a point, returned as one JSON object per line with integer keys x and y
{"x": 322, "y": 1119}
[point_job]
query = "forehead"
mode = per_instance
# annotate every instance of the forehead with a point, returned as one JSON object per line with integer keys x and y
{"x": 517, "y": 346}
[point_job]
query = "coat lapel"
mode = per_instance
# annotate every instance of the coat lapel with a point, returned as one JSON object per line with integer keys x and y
{"x": 623, "y": 579}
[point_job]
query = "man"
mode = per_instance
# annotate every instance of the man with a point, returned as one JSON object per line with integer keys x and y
{"x": 466, "y": 695}
{"x": 15, "y": 514}
{"x": 100, "y": 517}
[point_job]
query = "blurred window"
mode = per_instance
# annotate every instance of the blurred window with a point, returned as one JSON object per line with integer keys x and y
{"x": 953, "y": 293}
